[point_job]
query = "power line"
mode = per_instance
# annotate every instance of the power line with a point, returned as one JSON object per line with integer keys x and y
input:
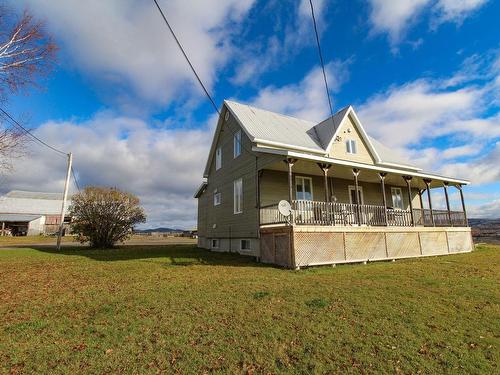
{"x": 74, "y": 178}
{"x": 320, "y": 58}
{"x": 15, "y": 122}
{"x": 194, "y": 71}
{"x": 187, "y": 59}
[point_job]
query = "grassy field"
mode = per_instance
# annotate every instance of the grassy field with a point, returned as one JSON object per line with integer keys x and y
{"x": 174, "y": 308}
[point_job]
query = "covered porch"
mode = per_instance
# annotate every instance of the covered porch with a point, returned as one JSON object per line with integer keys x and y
{"x": 323, "y": 194}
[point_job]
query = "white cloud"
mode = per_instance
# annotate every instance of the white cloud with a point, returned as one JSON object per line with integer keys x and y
{"x": 407, "y": 114}
{"x": 306, "y": 99}
{"x": 126, "y": 43}
{"x": 456, "y": 10}
{"x": 396, "y": 17}
{"x": 162, "y": 166}
{"x": 260, "y": 56}
{"x": 490, "y": 210}
{"x": 481, "y": 170}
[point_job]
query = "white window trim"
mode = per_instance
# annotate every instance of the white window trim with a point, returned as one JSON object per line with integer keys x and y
{"x": 237, "y": 142}
{"x": 392, "y": 197}
{"x": 212, "y": 244}
{"x": 218, "y": 201}
{"x": 249, "y": 244}
{"x": 360, "y": 189}
{"x": 234, "y": 196}
{"x": 349, "y": 149}
{"x": 218, "y": 158}
{"x": 305, "y": 178}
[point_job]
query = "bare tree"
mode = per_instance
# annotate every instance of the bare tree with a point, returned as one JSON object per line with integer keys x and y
{"x": 26, "y": 53}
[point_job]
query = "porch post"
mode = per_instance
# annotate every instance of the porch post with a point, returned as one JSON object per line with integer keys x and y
{"x": 355, "y": 172}
{"x": 445, "y": 187}
{"x": 384, "y": 198}
{"x": 290, "y": 162}
{"x": 459, "y": 187}
{"x": 428, "y": 184}
{"x": 408, "y": 184}
{"x": 325, "y": 168}
{"x": 421, "y": 201}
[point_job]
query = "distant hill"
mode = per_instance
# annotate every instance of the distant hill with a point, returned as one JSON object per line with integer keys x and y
{"x": 487, "y": 230}
{"x": 158, "y": 230}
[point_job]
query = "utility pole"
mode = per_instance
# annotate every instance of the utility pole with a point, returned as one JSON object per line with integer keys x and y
{"x": 65, "y": 196}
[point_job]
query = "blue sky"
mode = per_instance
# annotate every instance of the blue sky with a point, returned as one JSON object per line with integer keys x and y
{"x": 423, "y": 76}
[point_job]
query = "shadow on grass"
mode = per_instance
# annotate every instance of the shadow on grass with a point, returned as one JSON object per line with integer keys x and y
{"x": 175, "y": 255}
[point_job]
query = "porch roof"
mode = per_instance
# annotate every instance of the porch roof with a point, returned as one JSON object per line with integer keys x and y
{"x": 350, "y": 164}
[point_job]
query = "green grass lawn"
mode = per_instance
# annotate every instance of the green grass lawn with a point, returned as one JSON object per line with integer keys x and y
{"x": 178, "y": 309}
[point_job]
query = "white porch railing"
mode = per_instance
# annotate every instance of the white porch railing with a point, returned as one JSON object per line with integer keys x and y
{"x": 307, "y": 212}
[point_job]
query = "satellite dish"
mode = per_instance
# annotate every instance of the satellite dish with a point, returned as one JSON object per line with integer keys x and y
{"x": 284, "y": 208}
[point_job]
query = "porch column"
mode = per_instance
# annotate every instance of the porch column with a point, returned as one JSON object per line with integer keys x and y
{"x": 290, "y": 162}
{"x": 445, "y": 187}
{"x": 420, "y": 192}
{"x": 325, "y": 167}
{"x": 408, "y": 184}
{"x": 384, "y": 198}
{"x": 459, "y": 187}
{"x": 355, "y": 172}
{"x": 428, "y": 184}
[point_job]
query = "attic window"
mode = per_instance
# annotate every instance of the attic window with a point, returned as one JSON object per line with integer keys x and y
{"x": 351, "y": 147}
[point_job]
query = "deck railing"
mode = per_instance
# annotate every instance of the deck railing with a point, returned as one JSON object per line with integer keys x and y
{"x": 307, "y": 212}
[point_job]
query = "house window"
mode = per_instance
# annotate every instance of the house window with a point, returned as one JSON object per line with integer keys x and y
{"x": 237, "y": 144}
{"x": 217, "y": 197}
{"x": 215, "y": 243}
{"x": 238, "y": 196}
{"x": 350, "y": 145}
{"x": 303, "y": 188}
{"x": 245, "y": 245}
{"x": 218, "y": 158}
{"x": 397, "y": 198}
{"x": 352, "y": 196}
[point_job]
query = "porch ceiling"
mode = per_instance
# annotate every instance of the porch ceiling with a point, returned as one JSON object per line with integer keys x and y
{"x": 341, "y": 171}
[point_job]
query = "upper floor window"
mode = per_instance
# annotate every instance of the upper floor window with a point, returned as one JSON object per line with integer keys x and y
{"x": 218, "y": 158}
{"x": 397, "y": 197}
{"x": 238, "y": 196}
{"x": 303, "y": 188}
{"x": 217, "y": 197}
{"x": 351, "y": 146}
{"x": 237, "y": 144}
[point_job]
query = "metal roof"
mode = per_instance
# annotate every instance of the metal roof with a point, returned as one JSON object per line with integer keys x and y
{"x": 33, "y": 195}
{"x": 18, "y": 217}
{"x": 260, "y": 124}
{"x": 32, "y": 203}
{"x": 265, "y": 126}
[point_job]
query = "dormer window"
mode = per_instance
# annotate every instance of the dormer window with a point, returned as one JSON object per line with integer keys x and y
{"x": 351, "y": 147}
{"x": 218, "y": 158}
